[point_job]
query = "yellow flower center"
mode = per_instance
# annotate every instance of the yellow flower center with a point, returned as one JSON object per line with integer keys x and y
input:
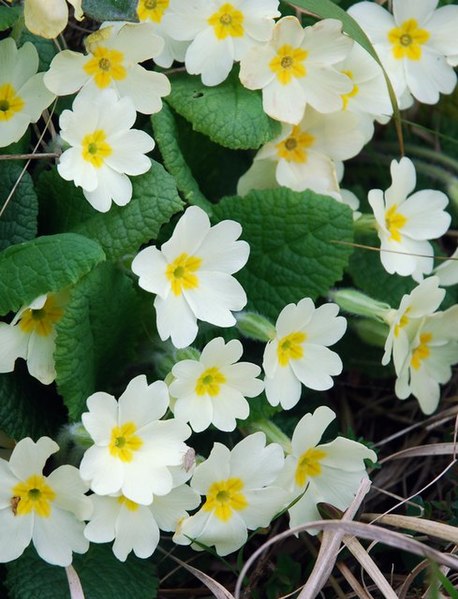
{"x": 352, "y": 94}
{"x": 10, "y": 102}
{"x": 41, "y": 321}
{"x": 181, "y": 271}
{"x": 422, "y": 351}
{"x": 407, "y": 40}
{"x": 403, "y": 321}
{"x": 128, "y": 503}
{"x": 227, "y": 22}
{"x": 224, "y": 497}
{"x": 209, "y": 382}
{"x": 152, "y": 10}
{"x": 106, "y": 65}
{"x": 308, "y": 465}
{"x": 394, "y": 221}
{"x": 293, "y": 148}
{"x": 34, "y": 494}
{"x": 95, "y": 148}
{"x": 288, "y": 63}
{"x": 124, "y": 442}
{"x": 290, "y": 348}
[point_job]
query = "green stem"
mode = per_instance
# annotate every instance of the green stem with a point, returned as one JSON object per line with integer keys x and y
{"x": 272, "y": 432}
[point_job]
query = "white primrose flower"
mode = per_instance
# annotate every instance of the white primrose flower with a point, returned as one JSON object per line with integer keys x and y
{"x": 135, "y": 527}
{"x": 304, "y": 156}
{"x": 239, "y": 495}
{"x": 330, "y": 473}
{"x": 406, "y": 320}
{"x": 152, "y": 12}
{"x": 23, "y": 95}
{"x": 212, "y": 390}
{"x": 406, "y": 223}
{"x": 31, "y": 335}
{"x": 133, "y": 449}
{"x": 413, "y": 44}
{"x": 104, "y": 149}
{"x": 428, "y": 363}
{"x": 447, "y": 271}
{"x": 47, "y": 510}
{"x": 299, "y": 353}
{"x": 191, "y": 275}
{"x": 112, "y": 62}
{"x": 220, "y": 32}
{"x": 48, "y": 18}
{"x": 297, "y": 68}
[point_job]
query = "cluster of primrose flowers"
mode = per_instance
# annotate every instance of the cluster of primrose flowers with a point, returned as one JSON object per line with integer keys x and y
{"x": 327, "y": 92}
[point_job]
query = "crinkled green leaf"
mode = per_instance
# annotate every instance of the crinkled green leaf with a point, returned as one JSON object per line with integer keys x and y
{"x": 110, "y": 10}
{"x": 124, "y": 228}
{"x": 96, "y": 336}
{"x": 229, "y": 114}
{"x": 166, "y": 134}
{"x": 44, "y": 264}
{"x": 8, "y": 16}
{"x": 27, "y": 409}
{"x": 19, "y": 220}
{"x": 292, "y": 239}
{"x": 100, "y": 573}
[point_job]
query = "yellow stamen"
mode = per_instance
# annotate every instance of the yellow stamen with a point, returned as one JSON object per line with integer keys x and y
{"x": 352, "y": 93}
{"x": 181, "y": 271}
{"x": 152, "y": 10}
{"x": 224, "y": 497}
{"x": 227, "y": 22}
{"x": 407, "y": 40}
{"x": 394, "y": 221}
{"x": 95, "y": 148}
{"x": 42, "y": 320}
{"x": 293, "y": 148}
{"x": 10, "y": 102}
{"x": 34, "y": 494}
{"x": 422, "y": 351}
{"x": 128, "y": 503}
{"x": 290, "y": 348}
{"x": 289, "y": 63}
{"x": 124, "y": 442}
{"x": 210, "y": 382}
{"x": 308, "y": 465}
{"x": 403, "y": 321}
{"x": 106, "y": 65}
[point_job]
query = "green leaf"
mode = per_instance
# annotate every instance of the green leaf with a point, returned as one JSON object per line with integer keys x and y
{"x": 8, "y": 16}
{"x": 124, "y": 228}
{"x": 293, "y": 238}
{"x": 110, "y": 10}
{"x": 327, "y": 9}
{"x": 228, "y": 114}
{"x": 19, "y": 220}
{"x": 100, "y": 573}
{"x": 96, "y": 336}
{"x": 166, "y": 134}
{"x": 27, "y": 409}
{"x": 44, "y": 264}
{"x": 46, "y": 48}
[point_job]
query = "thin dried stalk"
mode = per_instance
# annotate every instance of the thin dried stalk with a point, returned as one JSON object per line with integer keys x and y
{"x": 428, "y": 527}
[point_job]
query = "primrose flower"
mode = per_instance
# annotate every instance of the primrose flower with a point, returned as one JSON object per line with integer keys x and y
{"x": 299, "y": 353}
{"x": 447, "y": 271}
{"x": 297, "y": 68}
{"x": 133, "y": 449}
{"x": 239, "y": 495}
{"x": 406, "y": 320}
{"x": 31, "y": 335}
{"x": 220, "y": 32}
{"x": 48, "y": 18}
{"x": 331, "y": 472}
{"x": 304, "y": 156}
{"x": 152, "y": 12}
{"x": 413, "y": 44}
{"x": 428, "y": 363}
{"x": 112, "y": 62}
{"x": 47, "y": 510}
{"x": 191, "y": 275}
{"x": 23, "y": 95}
{"x": 104, "y": 149}
{"x": 135, "y": 527}
{"x": 406, "y": 222}
{"x": 212, "y": 390}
